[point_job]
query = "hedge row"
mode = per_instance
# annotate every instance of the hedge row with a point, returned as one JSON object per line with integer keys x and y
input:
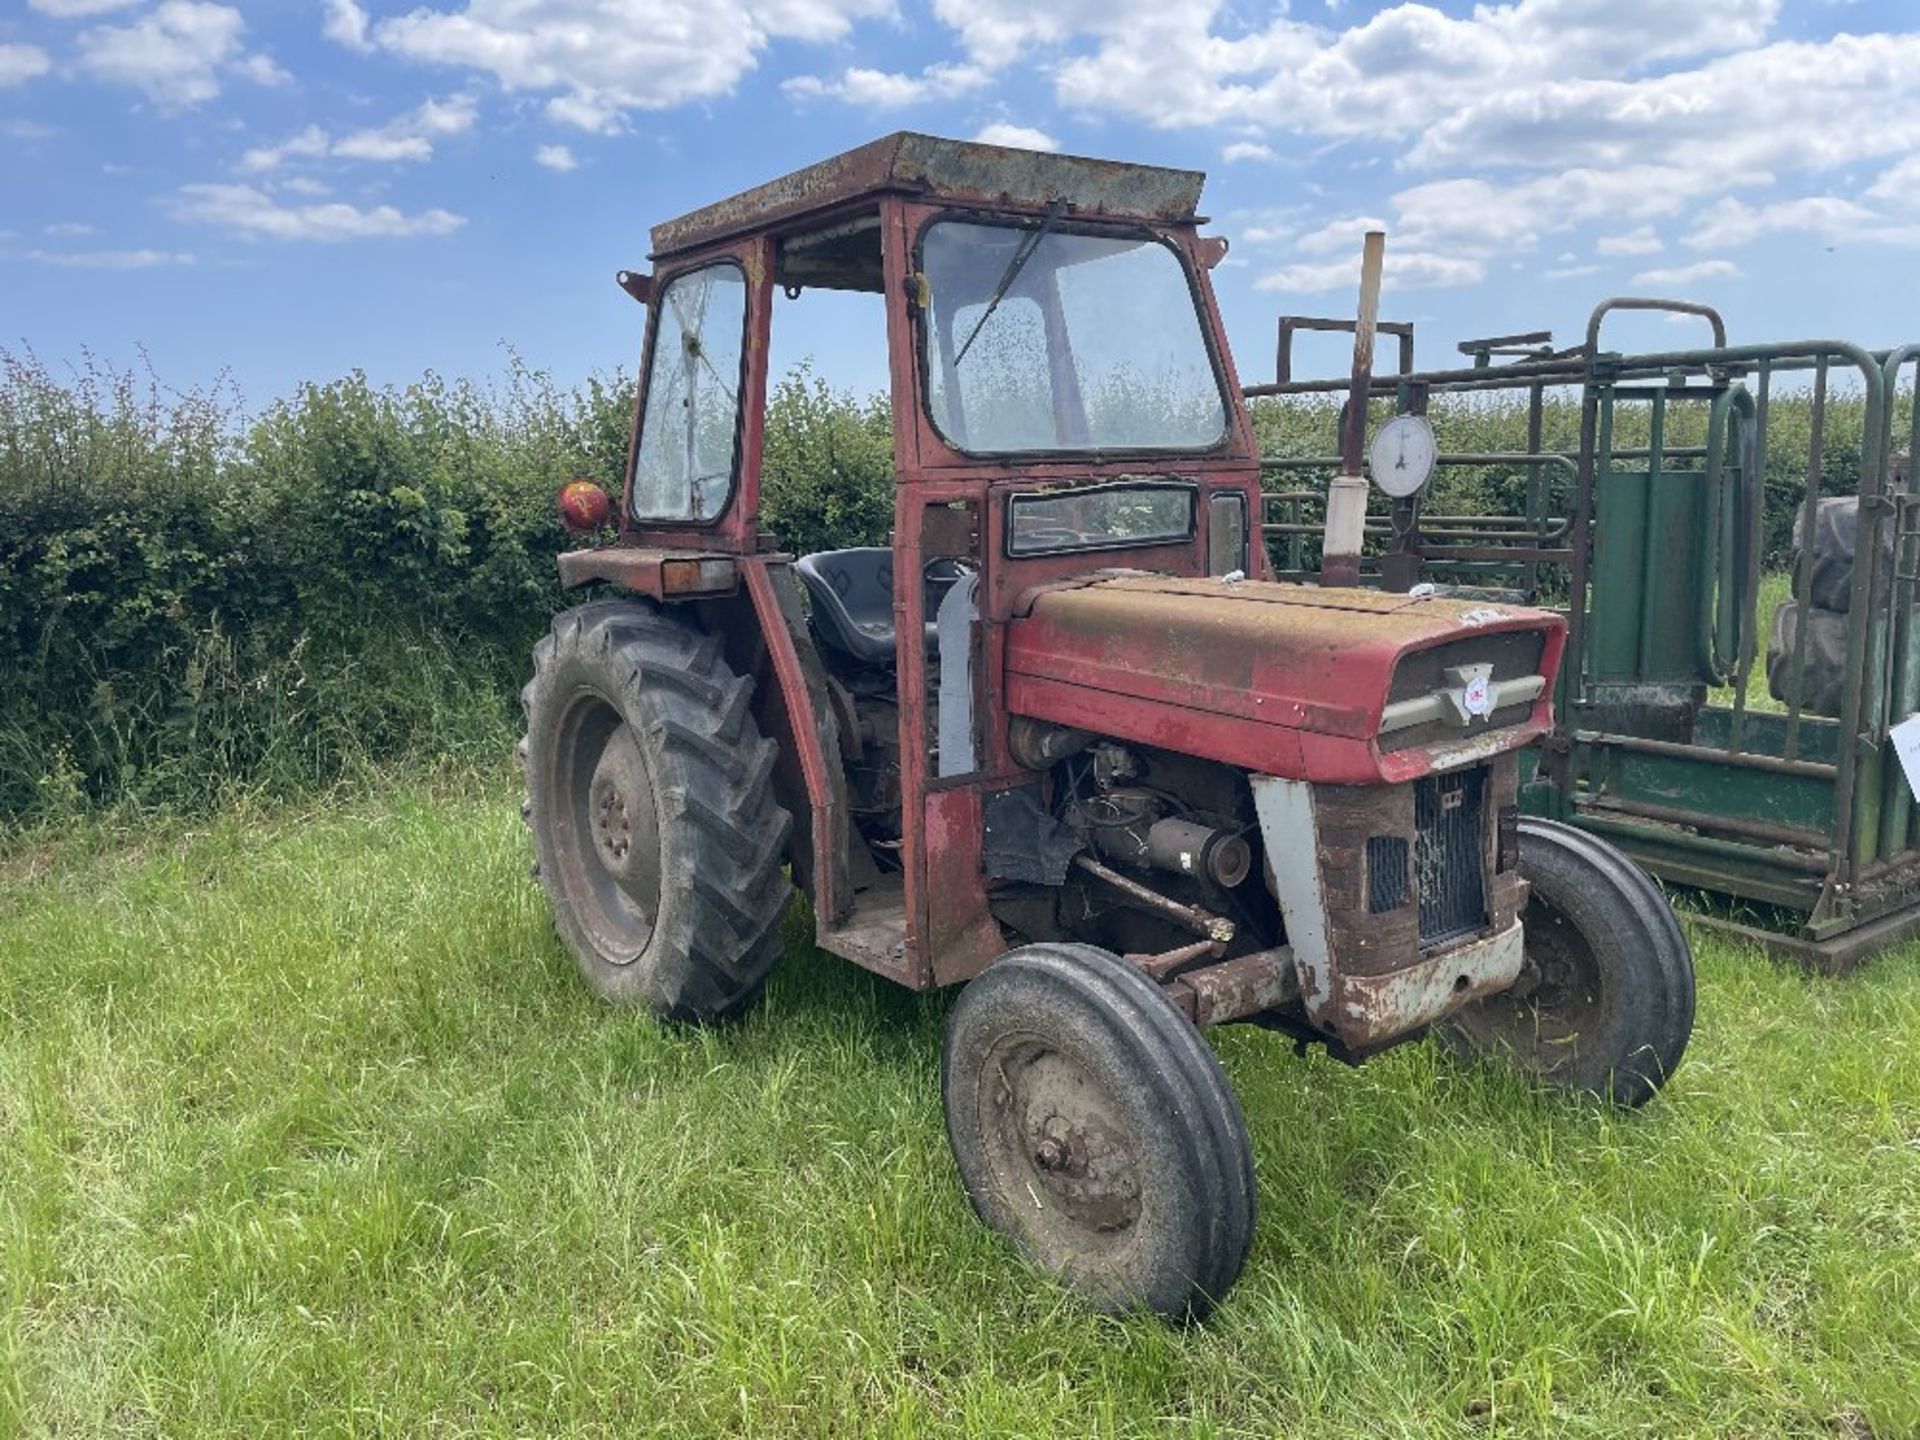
{"x": 194, "y": 600}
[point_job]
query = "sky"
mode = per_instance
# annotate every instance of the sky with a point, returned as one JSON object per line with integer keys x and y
{"x": 286, "y": 191}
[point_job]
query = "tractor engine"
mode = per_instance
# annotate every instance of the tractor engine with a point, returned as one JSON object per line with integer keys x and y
{"x": 1334, "y": 772}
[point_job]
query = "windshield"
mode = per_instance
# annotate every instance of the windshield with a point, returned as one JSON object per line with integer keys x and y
{"x": 1088, "y": 342}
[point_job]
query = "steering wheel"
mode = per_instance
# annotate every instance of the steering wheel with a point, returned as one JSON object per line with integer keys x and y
{"x": 946, "y": 569}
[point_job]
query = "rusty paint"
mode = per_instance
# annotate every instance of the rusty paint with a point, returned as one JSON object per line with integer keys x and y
{"x": 960, "y": 938}
{"x": 1234, "y": 989}
{"x": 641, "y": 570}
{"x": 947, "y": 171}
{"x": 1215, "y": 928}
{"x": 1279, "y": 678}
{"x": 1372, "y": 1009}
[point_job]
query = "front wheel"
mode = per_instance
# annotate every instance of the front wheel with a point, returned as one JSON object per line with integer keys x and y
{"x": 1604, "y": 1002}
{"x": 1092, "y": 1125}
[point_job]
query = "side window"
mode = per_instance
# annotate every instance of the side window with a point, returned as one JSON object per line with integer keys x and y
{"x": 690, "y": 427}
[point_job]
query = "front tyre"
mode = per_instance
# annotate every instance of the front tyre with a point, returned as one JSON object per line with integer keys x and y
{"x": 650, "y": 797}
{"x": 1605, "y": 999}
{"x": 1092, "y": 1125}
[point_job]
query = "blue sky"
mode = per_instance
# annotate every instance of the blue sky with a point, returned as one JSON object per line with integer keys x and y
{"x": 290, "y": 190}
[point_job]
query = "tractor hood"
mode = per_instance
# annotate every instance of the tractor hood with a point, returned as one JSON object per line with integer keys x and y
{"x": 1343, "y": 686}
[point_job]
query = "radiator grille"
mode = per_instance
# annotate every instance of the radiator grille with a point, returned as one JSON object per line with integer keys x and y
{"x": 1448, "y": 855}
{"x": 1386, "y": 874}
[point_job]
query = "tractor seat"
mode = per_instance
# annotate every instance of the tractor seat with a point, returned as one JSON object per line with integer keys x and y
{"x": 852, "y": 594}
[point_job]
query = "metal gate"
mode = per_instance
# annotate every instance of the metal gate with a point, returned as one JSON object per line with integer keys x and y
{"x": 1650, "y": 530}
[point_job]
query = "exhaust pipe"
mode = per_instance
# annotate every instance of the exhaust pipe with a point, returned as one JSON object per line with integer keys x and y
{"x": 1347, "y": 495}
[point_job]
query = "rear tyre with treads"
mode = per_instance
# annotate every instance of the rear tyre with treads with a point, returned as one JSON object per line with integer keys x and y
{"x": 650, "y": 797}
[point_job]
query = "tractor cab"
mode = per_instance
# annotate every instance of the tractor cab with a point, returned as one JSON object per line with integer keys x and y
{"x": 1064, "y": 737}
{"x": 1064, "y": 405}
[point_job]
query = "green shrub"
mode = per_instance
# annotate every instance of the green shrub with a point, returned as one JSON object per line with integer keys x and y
{"x": 192, "y": 602}
{"x": 826, "y": 476}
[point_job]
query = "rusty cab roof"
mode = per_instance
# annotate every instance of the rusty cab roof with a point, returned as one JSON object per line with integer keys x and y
{"x": 963, "y": 172}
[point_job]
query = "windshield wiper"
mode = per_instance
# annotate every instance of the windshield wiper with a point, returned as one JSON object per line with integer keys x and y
{"x": 1014, "y": 267}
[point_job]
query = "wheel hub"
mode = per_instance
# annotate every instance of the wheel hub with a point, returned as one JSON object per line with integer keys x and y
{"x": 620, "y": 812}
{"x": 1080, "y": 1165}
{"x": 612, "y": 862}
{"x": 612, "y": 828}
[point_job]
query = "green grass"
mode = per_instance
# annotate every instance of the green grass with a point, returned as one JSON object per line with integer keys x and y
{"x": 305, "y": 1125}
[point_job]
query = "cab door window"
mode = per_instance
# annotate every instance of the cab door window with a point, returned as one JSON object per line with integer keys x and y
{"x": 690, "y": 428}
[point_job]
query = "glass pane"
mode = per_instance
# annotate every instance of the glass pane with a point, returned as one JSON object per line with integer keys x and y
{"x": 1099, "y": 519}
{"x": 684, "y": 470}
{"x": 1094, "y": 343}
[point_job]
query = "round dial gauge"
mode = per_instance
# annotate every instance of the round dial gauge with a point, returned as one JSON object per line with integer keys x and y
{"x": 1403, "y": 455}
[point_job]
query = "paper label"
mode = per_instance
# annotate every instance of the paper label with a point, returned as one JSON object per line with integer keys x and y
{"x": 1906, "y": 744}
{"x": 1479, "y": 696}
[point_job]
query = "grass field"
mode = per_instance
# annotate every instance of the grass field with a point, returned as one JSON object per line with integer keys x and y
{"x": 306, "y": 1126}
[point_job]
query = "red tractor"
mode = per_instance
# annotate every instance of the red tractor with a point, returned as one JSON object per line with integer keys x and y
{"x": 1060, "y": 742}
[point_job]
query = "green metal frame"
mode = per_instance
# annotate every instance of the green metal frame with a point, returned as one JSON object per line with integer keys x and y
{"x": 1660, "y": 547}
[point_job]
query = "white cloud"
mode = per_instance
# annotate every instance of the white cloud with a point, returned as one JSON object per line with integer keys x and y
{"x": 889, "y": 90}
{"x": 1688, "y": 274}
{"x": 303, "y": 185}
{"x": 406, "y": 137}
{"x": 1472, "y": 220}
{"x": 74, "y": 9}
{"x": 556, "y": 157}
{"x": 1247, "y": 150}
{"x": 1404, "y": 270}
{"x": 1836, "y": 220}
{"x": 1643, "y": 241}
{"x": 20, "y": 63}
{"x": 1018, "y": 137}
{"x": 310, "y": 144}
{"x": 1789, "y": 106}
{"x": 1339, "y": 237}
{"x": 251, "y": 212}
{"x": 1405, "y": 68}
{"x": 69, "y": 230}
{"x": 262, "y": 70}
{"x": 1517, "y": 122}
{"x": 346, "y": 24}
{"x": 1901, "y": 183}
{"x": 109, "y": 259}
{"x": 175, "y": 54}
{"x": 1571, "y": 272}
{"x": 598, "y": 59}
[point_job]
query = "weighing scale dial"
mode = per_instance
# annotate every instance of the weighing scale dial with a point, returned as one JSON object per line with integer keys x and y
{"x": 1403, "y": 455}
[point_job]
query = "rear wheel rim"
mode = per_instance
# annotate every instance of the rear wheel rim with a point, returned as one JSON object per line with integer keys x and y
{"x": 1060, "y": 1150}
{"x": 1559, "y": 999}
{"x": 607, "y": 829}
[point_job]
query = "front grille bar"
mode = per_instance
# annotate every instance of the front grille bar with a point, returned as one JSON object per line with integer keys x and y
{"x": 1449, "y": 855}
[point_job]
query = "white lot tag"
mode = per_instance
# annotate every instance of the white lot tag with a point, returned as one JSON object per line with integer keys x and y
{"x": 1906, "y": 744}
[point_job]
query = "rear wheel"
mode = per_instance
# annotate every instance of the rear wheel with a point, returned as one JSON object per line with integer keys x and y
{"x": 1605, "y": 999}
{"x": 650, "y": 798}
{"x": 1092, "y": 1125}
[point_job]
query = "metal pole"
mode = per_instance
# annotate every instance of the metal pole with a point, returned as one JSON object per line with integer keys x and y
{"x": 1347, "y": 495}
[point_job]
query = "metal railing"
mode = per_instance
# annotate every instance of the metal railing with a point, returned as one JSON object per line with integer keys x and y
{"x": 1655, "y": 552}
